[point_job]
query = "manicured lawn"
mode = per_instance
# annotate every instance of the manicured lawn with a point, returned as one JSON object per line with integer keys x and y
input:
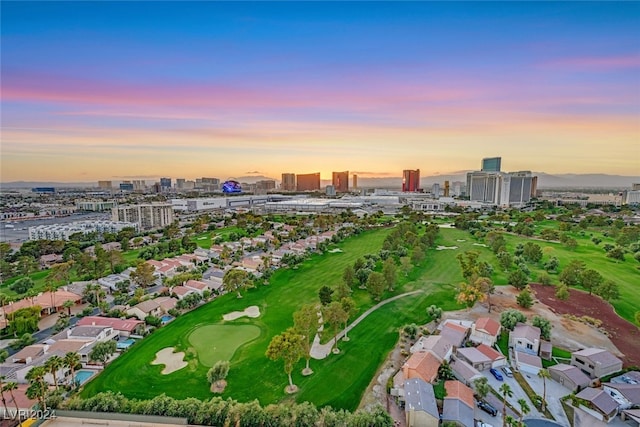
{"x": 219, "y": 342}
{"x": 339, "y": 380}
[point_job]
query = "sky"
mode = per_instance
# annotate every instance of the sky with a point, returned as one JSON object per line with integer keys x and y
{"x": 126, "y": 90}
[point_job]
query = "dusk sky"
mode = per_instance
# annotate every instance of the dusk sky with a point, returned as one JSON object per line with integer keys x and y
{"x": 124, "y": 90}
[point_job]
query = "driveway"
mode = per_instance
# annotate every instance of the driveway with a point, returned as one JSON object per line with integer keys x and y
{"x": 518, "y": 393}
{"x": 555, "y": 392}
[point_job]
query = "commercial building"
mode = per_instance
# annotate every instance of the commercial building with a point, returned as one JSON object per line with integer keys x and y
{"x": 308, "y": 182}
{"x": 148, "y": 216}
{"x": 208, "y": 184}
{"x": 491, "y": 164}
{"x": 266, "y": 185}
{"x": 410, "y": 180}
{"x": 126, "y": 186}
{"x": 94, "y": 205}
{"x": 501, "y": 188}
{"x": 355, "y": 181}
{"x": 340, "y": 181}
{"x": 105, "y": 185}
{"x": 165, "y": 184}
{"x": 484, "y": 187}
{"x": 63, "y": 231}
{"x": 330, "y": 190}
{"x": 288, "y": 182}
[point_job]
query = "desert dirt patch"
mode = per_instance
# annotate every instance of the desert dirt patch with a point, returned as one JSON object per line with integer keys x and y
{"x": 625, "y": 335}
{"x": 172, "y": 361}
{"x": 252, "y": 311}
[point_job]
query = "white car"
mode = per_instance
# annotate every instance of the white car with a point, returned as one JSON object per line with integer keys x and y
{"x": 481, "y": 424}
{"x": 507, "y": 371}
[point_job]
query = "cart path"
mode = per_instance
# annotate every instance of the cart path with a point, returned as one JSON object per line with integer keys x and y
{"x": 320, "y": 351}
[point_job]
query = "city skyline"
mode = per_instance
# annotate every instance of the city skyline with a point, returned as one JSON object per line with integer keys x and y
{"x": 121, "y": 91}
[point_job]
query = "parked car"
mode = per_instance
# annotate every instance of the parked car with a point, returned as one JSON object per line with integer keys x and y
{"x": 481, "y": 424}
{"x": 486, "y": 407}
{"x": 507, "y": 371}
{"x": 496, "y": 374}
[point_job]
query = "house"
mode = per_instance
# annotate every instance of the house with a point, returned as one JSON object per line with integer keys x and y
{"x": 474, "y": 357}
{"x": 423, "y": 365}
{"x": 546, "y": 350}
{"x": 48, "y": 260}
{"x": 569, "y": 376}
{"x": 596, "y": 362}
{"x": 525, "y": 338}
{"x": 464, "y": 372}
{"x": 528, "y": 363}
{"x": 166, "y": 303}
{"x": 458, "y": 404}
{"x": 92, "y": 333}
{"x": 180, "y": 291}
{"x": 456, "y": 333}
{"x": 144, "y": 309}
{"x": 28, "y": 354}
{"x": 598, "y": 404}
{"x": 124, "y": 327}
{"x": 420, "y": 404}
{"x": 197, "y": 286}
{"x": 629, "y": 377}
{"x": 485, "y": 331}
{"x": 631, "y": 417}
{"x": 437, "y": 344}
{"x": 22, "y": 372}
{"x": 497, "y": 358}
{"x": 626, "y": 395}
{"x": 47, "y": 301}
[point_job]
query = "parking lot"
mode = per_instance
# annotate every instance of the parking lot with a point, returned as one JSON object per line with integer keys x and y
{"x": 518, "y": 393}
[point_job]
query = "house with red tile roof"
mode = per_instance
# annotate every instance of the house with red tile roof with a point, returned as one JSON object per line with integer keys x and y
{"x": 497, "y": 358}
{"x": 458, "y": 406}
{"x": 125, "y": 327}
{"x": 423, "y": 365}
{"x": 485, "y": 331}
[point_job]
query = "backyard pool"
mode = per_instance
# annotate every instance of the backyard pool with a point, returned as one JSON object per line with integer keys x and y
{"x": 83, "y": 376}
{"x": 123, "y": 345}
{"x": 166, "y": 319}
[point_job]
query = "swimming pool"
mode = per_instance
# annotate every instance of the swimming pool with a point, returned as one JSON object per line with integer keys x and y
{"x": 83, "y": 376}
{"x": 123, "y": 345}
{"x": 166, "y": 319}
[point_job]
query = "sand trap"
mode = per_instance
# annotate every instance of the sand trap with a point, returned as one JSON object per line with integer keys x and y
{"x": 480, "y": 244}
{"x": 172, "y": 361}
{"x": 442, "y": 248}
{"x": 253, "y": 311}
{"x": 334, "y": 251}
{"x": 460, "y": 240}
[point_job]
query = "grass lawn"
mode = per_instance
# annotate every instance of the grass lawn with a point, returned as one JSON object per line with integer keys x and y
{"x": 219, "y": 342}
{"x": 339, "y": 380}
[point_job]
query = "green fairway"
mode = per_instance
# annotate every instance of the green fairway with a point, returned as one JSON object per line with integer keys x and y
{"x": 219, "y": 342}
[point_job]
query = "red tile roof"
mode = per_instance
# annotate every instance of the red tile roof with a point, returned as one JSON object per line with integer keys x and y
{"x": 128, "y": 325}
{"x": 423, "y": 365}
{"x": 490, "y": 352}
{"x": 488, "y": 325}
{"x": 456, "y": 390}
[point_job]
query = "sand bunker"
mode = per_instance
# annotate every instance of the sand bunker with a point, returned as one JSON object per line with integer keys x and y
{"x": 335, "y": 251}
{"x": 172, "y": 361}
{"x": 442, "y": 248}
{"x": 253, "y": 311}
{"x": 480, "y": 244}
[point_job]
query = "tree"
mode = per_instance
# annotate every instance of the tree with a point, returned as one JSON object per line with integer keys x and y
{"x": 518, "y": 278}
{"x": 102, "y": 351}
{"x": 505, "y": 391}
{"x": 511, "y": 317}
{"x": 218, "y": 372}
{"x": 486, "y": 286}
{"x": 410, "y": 330}
{"x": 72, "y": 361}
{"x": 3, "y": 357}
{"x": 405, "y": 265}
{"x": 143, "y": 274}
{"x": 505, "y": 259}
{"x": 334, "y": 315}
{"x": 616, "y": 253}
{"x": 552, "y": 265}
{"x": 524, "y": 298}
{"x": 305, "y": 323}
{"x": 37, "y": 387}
{"x": 326, "y": 295}
{"x": 608, "y": 290}
{"x": 114, "y": 258}
{"x": 349, "y": 307}
{"x": 544, "y": 374}
{"x": 562, "y": 292}
{"x": 590, "y": 279}
{"x": 389, "y": 271}
{"x": 544, "y": 325}
{"x": 482, "y": 387}
{"x": 287, "y": 346}
{"x": 68, "y": 304}
{"x": 10, "y": 386}
{"x": 532, "y": 252}
{"x": 469, "y": 293}
{"x": 53, "y": 365}
{"x": 349, "y": 276}
{"x": 570, "y": 275}
{"x": 21, "y": 286}
{"x": 376, "y": 285}
{"x": 524, "y": 408}
{"x": 434, "y": 312}
{"x": 23, "y": 341}
{"x": 59, "y": 273}
{"x": 236, "y": 280}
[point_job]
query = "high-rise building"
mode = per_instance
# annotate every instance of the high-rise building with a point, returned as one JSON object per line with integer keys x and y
{"x": 355, "y": 181}
{"x": 410, "y": 180}
{"x": 180, "y": 183}
{"x": 209, "y": 184}
{"x": 484, "y": 186}
{"x": 517, "y": 188}
{"x": 165, "y": 184}
{"x": 139, "y": 185}
{"x": 435, "y": 190}
{"x": 446, "y": 189}
{"x": 308, "y": 182}
{"x": 491, "y": 164}
{"x": 288, "y": 182}
{"x": 635, "y": 186}
{"x": 126, "y": 186}
{"x": 148, "y": 216}
{"x": 266, "y": 185}
{"x": 330, "y": 190}
{"x": 340, "y": 181}
{"x": 105, "y": 185}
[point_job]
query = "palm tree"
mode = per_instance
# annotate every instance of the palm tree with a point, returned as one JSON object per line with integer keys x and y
{"x": 505, "y": 390}
{"x": 10, "y": 386}
{"x": 71, "y": 360}
{"x": 37, "y": 388}
{"x": 524, "y": 408}
{"x": 3, "y": 356}
{"x": 52, "y": 365}
{"x": 544, "y": 374}
{"x": 68, "y": 304}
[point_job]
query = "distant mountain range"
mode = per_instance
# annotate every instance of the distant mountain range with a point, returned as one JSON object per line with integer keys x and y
{"x": 544, "y": 181}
